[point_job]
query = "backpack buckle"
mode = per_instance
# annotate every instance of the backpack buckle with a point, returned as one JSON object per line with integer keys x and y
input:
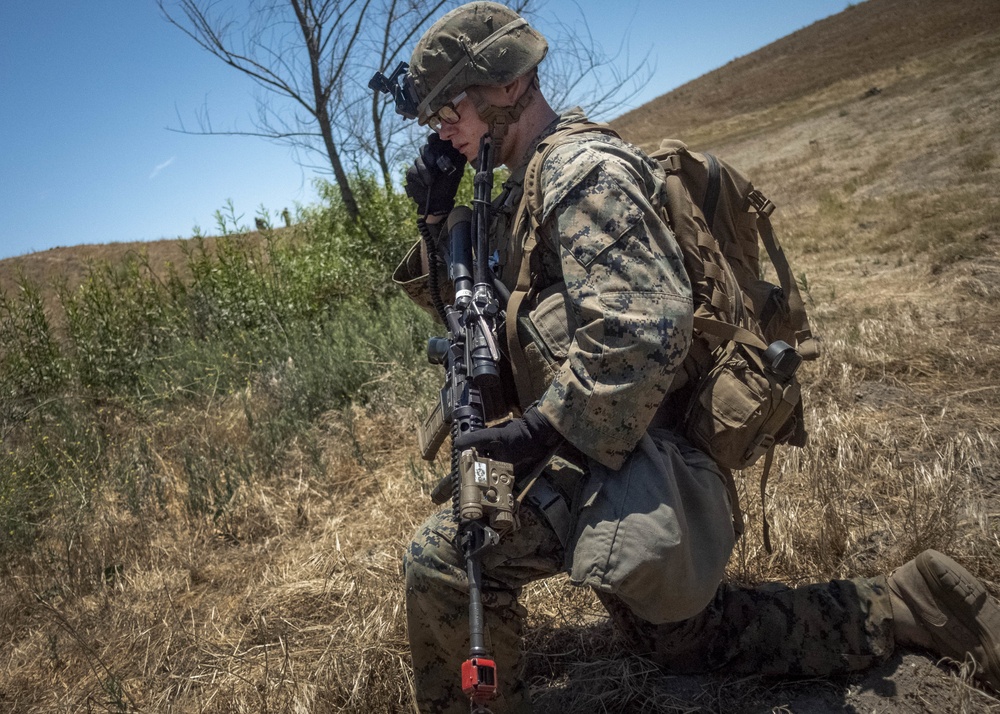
{"x": 671, "y": 163}
{"x": 761, "y": 203}
{"x": 760, "y": 446}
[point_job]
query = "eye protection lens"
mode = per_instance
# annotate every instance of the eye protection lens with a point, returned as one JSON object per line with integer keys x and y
{"x": 448, "y": 114}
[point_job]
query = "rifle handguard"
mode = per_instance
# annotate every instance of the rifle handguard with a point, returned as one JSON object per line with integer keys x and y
{"x": 432, "y": 432}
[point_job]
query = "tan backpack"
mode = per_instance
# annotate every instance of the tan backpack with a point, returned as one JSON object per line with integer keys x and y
{"x": 750, "y": 334}
{"x": 720, "y": 219}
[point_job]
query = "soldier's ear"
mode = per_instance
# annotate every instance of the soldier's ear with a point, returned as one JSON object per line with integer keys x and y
{"x": 512, "y": 91}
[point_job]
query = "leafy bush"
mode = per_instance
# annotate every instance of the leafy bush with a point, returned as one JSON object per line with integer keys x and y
{"x": 32, "y": 368}
{"x": 281, "y": 327}
{"x": 119, "y": 321}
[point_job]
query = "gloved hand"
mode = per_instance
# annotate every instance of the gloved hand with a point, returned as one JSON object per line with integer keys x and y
{"x": 434, "y": 177}
{"x": 522, "y": 442}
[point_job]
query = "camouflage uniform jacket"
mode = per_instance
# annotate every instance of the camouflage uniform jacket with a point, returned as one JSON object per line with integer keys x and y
{"x": 609, "y": 311}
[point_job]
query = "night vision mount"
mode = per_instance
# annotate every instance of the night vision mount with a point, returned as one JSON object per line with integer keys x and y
{"x": 399, "y": 86}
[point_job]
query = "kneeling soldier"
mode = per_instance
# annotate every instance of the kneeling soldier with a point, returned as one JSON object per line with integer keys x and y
{"x": 629, "y": 507}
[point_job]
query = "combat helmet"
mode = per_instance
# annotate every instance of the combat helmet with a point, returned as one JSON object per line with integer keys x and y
{"x": 481, "y": 43}
{"x": 478, "y": 44}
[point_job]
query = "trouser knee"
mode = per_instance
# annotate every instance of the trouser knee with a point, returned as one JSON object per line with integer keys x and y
{"x": 432, "y": 559}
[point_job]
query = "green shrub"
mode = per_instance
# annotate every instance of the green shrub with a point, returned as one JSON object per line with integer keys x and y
{"x": 282, "y": 328}
{"x": 32, "y": 367}
{"x": 119, "y": 321}
{"x": 52, "y": 462}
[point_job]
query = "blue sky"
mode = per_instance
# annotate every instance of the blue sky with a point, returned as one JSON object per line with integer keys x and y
{"x": 89, "y": 90}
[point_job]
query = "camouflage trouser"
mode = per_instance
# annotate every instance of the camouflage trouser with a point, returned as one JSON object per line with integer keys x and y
{"x": 437, "y": 608}
{"x": 819, "y": 629}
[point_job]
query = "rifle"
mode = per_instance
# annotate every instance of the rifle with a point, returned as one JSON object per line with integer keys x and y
{"x": 481, "y": 489}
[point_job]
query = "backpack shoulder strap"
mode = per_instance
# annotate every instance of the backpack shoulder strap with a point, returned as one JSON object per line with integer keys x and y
{"x": 533, "y": 196}
{"x": 711, "y": 201}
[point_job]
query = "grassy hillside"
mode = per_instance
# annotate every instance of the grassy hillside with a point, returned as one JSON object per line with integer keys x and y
{"x": 67, "y": 268}
{"x": 865, "y": 46}
{"x": 243, "y": 553}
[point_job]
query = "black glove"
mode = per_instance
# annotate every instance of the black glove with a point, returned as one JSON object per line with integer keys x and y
{"x": 522, "y": 442}
{"x": 434, "y": 177}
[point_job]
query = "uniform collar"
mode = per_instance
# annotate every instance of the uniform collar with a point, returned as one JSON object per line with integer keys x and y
{"x": 572, "y": 116}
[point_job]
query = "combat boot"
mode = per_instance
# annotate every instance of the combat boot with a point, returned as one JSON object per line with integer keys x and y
{"x": 938, "y": 605}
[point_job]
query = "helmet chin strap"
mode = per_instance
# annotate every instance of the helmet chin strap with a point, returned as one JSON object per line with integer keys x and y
{"x": 499, "y": 119}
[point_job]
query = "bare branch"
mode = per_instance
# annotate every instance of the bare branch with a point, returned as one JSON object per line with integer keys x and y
{"x": 583, "y": 73}
{"x": 311, "y": 61}
{"x": 299, "y": 52}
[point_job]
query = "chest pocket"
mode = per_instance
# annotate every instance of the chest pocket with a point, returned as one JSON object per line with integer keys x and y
{"x": 545, "y": 334}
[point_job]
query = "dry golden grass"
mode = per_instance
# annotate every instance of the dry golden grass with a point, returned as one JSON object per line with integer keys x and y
{"x": 861, "y": 44}
{"x": 292, "y": 601}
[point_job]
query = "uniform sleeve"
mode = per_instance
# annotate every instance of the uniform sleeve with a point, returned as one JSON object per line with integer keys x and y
{"x": 626, "y": 282}
{"x": 411, "y": 278}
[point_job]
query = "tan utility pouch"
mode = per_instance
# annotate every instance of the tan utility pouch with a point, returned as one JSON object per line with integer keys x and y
{"x": 746, "y": 403}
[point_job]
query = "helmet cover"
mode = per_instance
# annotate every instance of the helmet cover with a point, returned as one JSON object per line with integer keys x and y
{"x": 478, "y": 44}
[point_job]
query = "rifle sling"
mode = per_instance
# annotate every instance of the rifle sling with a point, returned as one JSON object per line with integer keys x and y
{"x": 541, "y": 494}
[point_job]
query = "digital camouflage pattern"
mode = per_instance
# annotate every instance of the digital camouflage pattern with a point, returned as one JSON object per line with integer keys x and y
{"x": 620, "y": 327}
{"x": 625, "y": 279}
{"x": 814, "y": 630}
{"x": 819, "y": 630}
{"x": 437, "y": 609}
